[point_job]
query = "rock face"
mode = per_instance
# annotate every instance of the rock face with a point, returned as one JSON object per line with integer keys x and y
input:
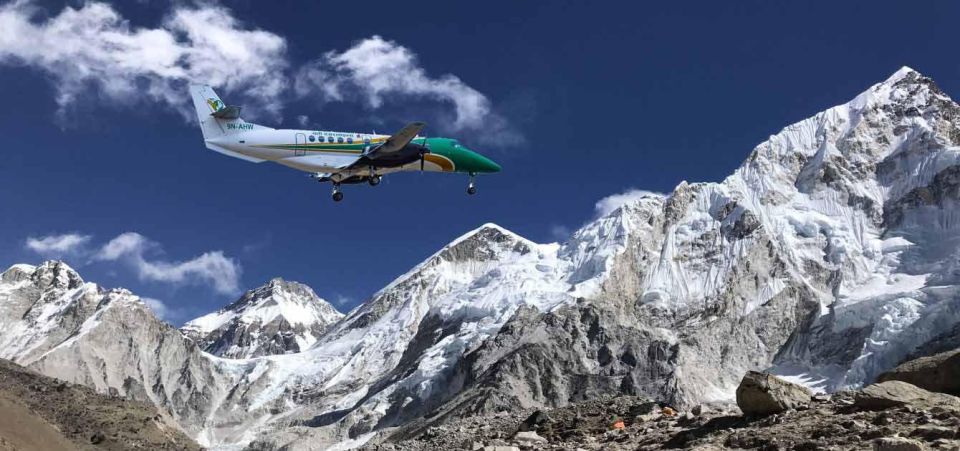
{"x": 278, "y": 318}
{"x": 57, "y": 324}
{"x": 938, "y": 373}
{"x": 765, "y": 394}
{"x": 821, "y": 259}
{"x": 38, "y": 412}
{"x": 885, "y": 395}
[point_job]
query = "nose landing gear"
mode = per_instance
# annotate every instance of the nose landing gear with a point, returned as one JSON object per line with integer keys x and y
{"x": 472, "y": 187}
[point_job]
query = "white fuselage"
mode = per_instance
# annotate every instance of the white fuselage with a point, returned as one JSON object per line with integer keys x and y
{"x": 321, "y": 152}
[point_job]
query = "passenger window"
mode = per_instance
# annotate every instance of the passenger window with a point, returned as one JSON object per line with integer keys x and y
{"x": 349, "y": 140}
{"x": 340, "y": 140}
{"x": 366, "y": 140}
{"x": 329, "y": 139}
{"x": 312, "y": 139}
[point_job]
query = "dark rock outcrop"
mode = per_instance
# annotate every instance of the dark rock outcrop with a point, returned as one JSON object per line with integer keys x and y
{"x": 937, "y": 373}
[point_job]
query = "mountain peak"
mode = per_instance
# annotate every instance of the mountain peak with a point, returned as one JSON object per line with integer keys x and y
{"x": 900, "y": 74}
{"x": 484, "y": 243}
{"x": 55, "y": 273}
{"x": 18, "y": 272}
{"x": 276, "y": 318}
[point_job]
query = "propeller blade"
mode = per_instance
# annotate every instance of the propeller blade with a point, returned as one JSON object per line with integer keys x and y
{"x": 421, "y": 161}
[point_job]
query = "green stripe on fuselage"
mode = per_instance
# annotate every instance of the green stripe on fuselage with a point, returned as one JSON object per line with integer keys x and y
{"x": 463, "y": 159}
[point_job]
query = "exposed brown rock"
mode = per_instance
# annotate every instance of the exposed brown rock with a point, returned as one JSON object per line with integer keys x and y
{"x": 43, "y": 413}
{"x": 938, "y": 373}
{"x": 889, "y": 394}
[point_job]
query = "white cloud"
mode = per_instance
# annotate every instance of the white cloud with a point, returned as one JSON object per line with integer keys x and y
{"x": 94, "y": 54}
{"x": 342, "y": 301}
{"x": 94, "y": 46}
{"x": 51, "y": 246}
{"x": 608, "y": 204}
{"x": 560, "y": 232}
{"x": 213, "y": 267}
{"x": 164, "y": 311}
{"x": 375, "y": 69}
{"x": 158, "y": 307}
{"x": 131, "y": 248}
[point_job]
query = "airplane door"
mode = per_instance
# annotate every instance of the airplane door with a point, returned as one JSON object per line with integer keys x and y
{"x": 301, "y": 147}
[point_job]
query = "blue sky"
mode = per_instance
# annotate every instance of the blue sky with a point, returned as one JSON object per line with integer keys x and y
{"x": 577, "y": 100}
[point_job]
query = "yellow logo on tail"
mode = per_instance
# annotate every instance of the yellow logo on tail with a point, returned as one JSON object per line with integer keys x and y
{"x": 215, "y": 104}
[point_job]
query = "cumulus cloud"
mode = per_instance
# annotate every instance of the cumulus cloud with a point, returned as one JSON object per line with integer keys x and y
{"x": 608, "y": 204}
{"x": 134, "y": 250}
{"x": 213, "y": 267}
{"x": 58, "y": 246}
{"x": 376, "y": 70}
{"x": 93, "y": 46}
{"x": 93, "y": 54}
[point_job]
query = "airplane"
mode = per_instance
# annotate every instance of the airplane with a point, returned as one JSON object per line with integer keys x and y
{"x": 336, "y": 157}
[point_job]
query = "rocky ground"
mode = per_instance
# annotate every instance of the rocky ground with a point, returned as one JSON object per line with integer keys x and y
{"x": 42, "y": 413}
{"x": 891, "y": 415}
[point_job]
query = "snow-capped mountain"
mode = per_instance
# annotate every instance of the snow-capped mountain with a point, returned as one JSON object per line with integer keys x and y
{"x": 828, "y": 256}
{"x": 280, "y": 317}
{"x": 54, "y": 322}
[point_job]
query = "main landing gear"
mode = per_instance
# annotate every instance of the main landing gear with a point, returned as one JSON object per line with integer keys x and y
{"x": 337, "y": 194}
{"x": 472, "y": 187}
{"x": 373, "y": 179}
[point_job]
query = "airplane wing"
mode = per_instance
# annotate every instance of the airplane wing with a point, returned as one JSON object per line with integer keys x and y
{"x": 398, "y": 141}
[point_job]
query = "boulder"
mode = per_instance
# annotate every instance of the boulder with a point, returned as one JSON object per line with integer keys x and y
{"x": 896, "y": 393}
{"x": 529, "y": 437}
{"x": 931, "y": 433}
{"x": 536, "y": 421}
{"x": 937, "y": 373}
{"x": 765, "y": 394}
{"x": 897, "y": 444}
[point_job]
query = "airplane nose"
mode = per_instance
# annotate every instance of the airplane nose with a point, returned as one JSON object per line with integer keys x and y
{"x": 488, "y": 165}
{"x": 471, "y": 161}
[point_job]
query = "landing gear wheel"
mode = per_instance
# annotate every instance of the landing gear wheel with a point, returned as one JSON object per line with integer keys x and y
{"x": 374, "y": 180}
{"x": 337, "y": 194}
{"x": 472, "y": 188}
